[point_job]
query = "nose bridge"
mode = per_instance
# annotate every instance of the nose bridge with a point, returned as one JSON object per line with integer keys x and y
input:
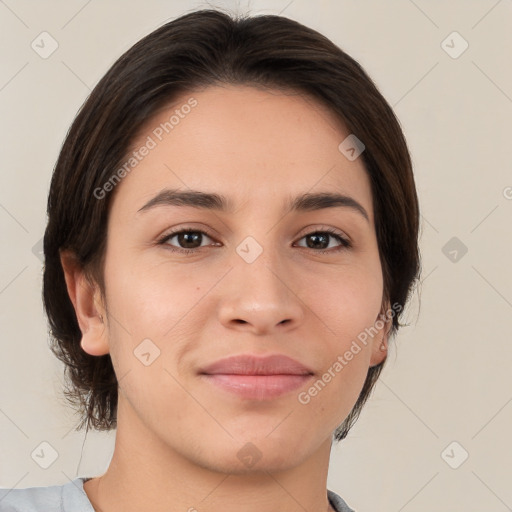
{"x": 259, "y": 253}
{"x": 259, "y": 264}
{"x": 260, "y": 296}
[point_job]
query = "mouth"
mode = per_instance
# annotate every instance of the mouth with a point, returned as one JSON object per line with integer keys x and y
{"x": 255, "y": 377}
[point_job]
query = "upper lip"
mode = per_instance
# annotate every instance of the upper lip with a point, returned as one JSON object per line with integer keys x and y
{"x": 247, "y": 364}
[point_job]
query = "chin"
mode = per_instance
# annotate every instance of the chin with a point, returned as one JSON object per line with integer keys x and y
{"x": 261, "y": 467}
{"x": 258, "y": 455}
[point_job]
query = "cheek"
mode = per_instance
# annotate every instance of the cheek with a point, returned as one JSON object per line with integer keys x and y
{"x": 347, "y": 307}
{"x": 159, "y": 398}
{"x": 346, "y": 302}
{"x": 330, "y": 398}
{"x": 149, "y": 300}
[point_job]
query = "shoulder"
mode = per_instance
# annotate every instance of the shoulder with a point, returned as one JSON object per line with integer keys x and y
{"x": 68, "y": 497}
{"x": 71, "y": 497}
{"x": 337, "y": 502}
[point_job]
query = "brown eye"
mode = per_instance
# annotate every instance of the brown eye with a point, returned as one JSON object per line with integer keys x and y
{"x": 186, "y": 240}
{"x": 320, "y": 241}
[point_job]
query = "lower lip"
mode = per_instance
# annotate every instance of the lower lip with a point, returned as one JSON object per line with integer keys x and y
{"x": 258, "y": 387}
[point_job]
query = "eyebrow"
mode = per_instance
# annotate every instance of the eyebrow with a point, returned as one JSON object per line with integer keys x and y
{"x": 212, "y": 201}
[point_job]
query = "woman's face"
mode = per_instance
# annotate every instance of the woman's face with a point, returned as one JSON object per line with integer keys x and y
{"x": 259, "y": 278}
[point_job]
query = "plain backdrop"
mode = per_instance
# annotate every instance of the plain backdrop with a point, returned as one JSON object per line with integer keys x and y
{"x": 436, "y": 433}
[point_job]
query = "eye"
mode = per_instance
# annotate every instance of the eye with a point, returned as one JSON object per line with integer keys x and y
{"x": 319, "y": 241}
{"x": 189, "y": 240}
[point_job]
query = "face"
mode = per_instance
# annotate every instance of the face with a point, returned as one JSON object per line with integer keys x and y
{"x": 256, "y": 277}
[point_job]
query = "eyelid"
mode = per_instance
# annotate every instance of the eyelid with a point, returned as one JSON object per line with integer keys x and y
{"x": 323, "y": 228}
{"x": 187, "y": 227}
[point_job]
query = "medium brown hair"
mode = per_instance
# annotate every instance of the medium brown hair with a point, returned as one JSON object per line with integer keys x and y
{"x": 197, "y": 50}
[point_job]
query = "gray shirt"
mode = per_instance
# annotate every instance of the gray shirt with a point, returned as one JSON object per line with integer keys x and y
{"x": 71, "y": 497}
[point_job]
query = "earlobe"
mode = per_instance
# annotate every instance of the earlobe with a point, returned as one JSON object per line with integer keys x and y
{"x": 380, "y": 340}
{"x": 86, "y": 299}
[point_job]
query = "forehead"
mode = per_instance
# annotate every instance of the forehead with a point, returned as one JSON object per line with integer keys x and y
{"x": 249, "y": 144}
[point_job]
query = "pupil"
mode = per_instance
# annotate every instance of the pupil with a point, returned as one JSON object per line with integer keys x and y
{"x": 186, "y": 238}
{"x": 323, "y": 241}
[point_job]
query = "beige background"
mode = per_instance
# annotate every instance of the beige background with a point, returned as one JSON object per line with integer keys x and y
{"x": 447, "y": 379}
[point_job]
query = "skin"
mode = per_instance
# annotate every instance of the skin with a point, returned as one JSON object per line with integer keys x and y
{"x": 178, "y": 436}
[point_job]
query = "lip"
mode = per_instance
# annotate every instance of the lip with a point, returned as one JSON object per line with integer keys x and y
{"x": 247, "y": 364}
{"x": 257, "y": 377}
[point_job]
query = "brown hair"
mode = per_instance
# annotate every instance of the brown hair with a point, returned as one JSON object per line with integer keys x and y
{"x": 196, "y": 50}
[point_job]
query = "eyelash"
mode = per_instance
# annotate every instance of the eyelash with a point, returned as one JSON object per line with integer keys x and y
{"x": 344, "y": 243}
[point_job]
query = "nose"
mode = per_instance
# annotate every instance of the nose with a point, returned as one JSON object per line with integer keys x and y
{"x": 261, "y": 297}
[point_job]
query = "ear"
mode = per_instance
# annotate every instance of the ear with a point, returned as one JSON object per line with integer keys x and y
{"x": 380, "y": 341}
{"x": 86, "y": 299}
